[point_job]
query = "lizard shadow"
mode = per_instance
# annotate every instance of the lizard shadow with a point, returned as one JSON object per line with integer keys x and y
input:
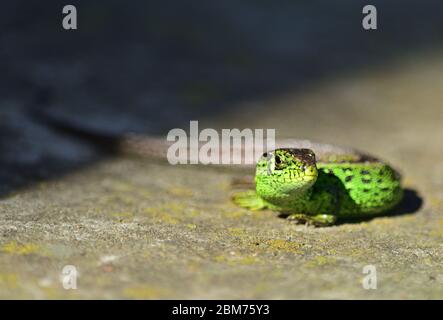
{"x": 410, "y": 204}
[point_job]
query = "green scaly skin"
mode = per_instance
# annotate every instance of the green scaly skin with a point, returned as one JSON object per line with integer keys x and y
{"x": 292, "y": 182}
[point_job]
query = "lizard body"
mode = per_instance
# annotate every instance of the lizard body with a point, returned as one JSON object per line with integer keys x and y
{"x": 293, "y": 182}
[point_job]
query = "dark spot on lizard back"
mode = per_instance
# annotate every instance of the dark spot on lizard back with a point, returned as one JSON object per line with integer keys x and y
{"x": 364, "y": 172}
{"x": 366, "y": 180}
{"x": 349, "y": 178}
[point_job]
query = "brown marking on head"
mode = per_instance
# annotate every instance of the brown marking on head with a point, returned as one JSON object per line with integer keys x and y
{"x": 305, "y": 155}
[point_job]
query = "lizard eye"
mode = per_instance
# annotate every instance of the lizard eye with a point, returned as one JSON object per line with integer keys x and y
{"x": 279, "y": 163}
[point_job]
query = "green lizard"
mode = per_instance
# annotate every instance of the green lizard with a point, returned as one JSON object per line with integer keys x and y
{"x": 342, "y": 182}
{"x": 291, "y": 181}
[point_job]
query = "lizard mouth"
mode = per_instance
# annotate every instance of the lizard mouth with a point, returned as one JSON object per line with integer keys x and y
{"x": 310, "y": 177}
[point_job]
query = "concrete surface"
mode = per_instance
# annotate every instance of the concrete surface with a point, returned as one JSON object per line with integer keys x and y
{"x": 147, "y": 230}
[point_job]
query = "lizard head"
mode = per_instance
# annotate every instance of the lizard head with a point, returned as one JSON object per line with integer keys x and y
{"x": 285, "y": 172}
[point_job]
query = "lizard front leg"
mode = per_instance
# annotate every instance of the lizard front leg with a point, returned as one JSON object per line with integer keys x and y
{"x": 319, "y": 220}
{"x": 249, "y": 199}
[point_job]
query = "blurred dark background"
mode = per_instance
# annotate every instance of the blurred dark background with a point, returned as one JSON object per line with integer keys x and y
{"x": 149, "y": 66}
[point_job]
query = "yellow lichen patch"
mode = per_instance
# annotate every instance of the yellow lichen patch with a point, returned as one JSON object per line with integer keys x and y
{"x": 261, "y": 288}
{"x": 54, "y": 293}
{"x": 20, "y": 249}
{"x": 162, "y": 216}
{"x": 248, "y": 260}
{"x": 166, "y": 218}
{"x": 220, "y": 258}
{"x": 146, "y": 254}
{"x": 283, "y": 245}
{"x": 435, "y": 202}
{"x": 176, "y": 207}
{"x": 191, "y": 226}
{"x": 237, "y": 232}
{"x": 144, "y": 292}
{"x": 438, "y": 231}
{"x": 356, "y": 252}
{"x": 427, "y": 261}
{"x": 180, "y": 192}
{"x": 173, "y": 209}
{"x": 192, "y": 212}
{"x": 153, "y": 211}
{"x": 171, "y": 213}
{"x": 321, "y": 261}
{"x": 236, "y": 260}
{"x": 143, "y": 193}
{"x": 8, "y": 280}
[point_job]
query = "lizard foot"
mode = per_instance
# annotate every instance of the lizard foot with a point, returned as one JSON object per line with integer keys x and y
{"x": 320, "y": 220}
{"x": 248, "y": 199}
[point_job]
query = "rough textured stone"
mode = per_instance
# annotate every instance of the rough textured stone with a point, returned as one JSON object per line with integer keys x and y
{"x": 136, "y": 228}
